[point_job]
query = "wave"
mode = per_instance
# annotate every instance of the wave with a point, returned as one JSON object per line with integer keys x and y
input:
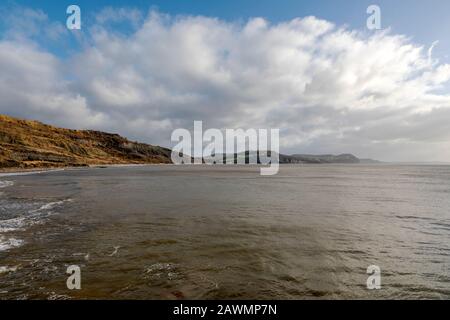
{"x": 6, "y": 269}
{"x": 27, "y": 173}
{"x": 51, "y": 205}
{"x": 5, "y": 184}
{"x": 6, "y": 244}
{"x": 25, "y": 220}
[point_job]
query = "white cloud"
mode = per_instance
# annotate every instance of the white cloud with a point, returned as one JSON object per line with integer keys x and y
{"x": 32, "y": 85}
{"x": 328, "y": 89}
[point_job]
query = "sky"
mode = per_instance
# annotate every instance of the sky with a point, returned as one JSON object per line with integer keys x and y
{"x": 310, "y": 68}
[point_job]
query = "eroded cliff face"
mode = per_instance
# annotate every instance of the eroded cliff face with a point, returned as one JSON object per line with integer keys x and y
{"x": 31, "y": 144}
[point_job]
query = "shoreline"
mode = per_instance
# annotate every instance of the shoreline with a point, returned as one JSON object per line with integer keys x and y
{"x": 18, "y": 171}
{"x": 21, "y": 171}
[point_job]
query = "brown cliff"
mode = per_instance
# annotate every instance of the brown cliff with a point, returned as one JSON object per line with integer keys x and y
{"x": 31, "y": 144}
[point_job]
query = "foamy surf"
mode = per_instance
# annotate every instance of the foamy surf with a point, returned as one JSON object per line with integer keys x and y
{"x": 27, "y": 173}
{"x": 27, "y": 215}
{"x": 6, "y": 269}
{"x": 6, "y": 244}
{"x": 10, "y": 225}
{"x": 32, "y": 217}
{"x": 51, "y": 205}
{"x": 5, "y": 184}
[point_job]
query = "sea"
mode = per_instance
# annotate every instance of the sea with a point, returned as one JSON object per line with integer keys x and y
{"x": 226, "y": 232}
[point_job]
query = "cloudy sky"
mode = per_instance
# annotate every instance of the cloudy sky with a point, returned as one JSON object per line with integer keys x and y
{"x": 313, "y": 70}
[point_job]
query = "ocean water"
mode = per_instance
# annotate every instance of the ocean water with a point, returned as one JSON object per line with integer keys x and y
{"x": 225, "y": 232}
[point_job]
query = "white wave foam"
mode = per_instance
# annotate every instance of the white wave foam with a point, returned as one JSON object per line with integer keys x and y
{"x": 116, "y": 249}
{"x": 10, "y": 225}
{"x": 5, "y": 184}
{"x": 51, "y": 205}
{"x": 6, "y": 269}
{"x": 159, "y": 270}
{"x": 6, "y": 244}
{"x": 30, "y": 218}
{"x": 26, "y": 173}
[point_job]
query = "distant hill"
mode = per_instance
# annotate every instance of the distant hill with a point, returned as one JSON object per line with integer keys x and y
{"x": 327, "y": 158}
{"x": 297, "y": 158}
{"x": 369, "y": 161}
{"x": 31, "y": 144}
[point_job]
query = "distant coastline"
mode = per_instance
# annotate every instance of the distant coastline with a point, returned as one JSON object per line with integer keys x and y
{"x": 27, "y": 145}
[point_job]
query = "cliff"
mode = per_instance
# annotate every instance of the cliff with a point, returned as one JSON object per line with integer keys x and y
{"x": 31, "y": 144}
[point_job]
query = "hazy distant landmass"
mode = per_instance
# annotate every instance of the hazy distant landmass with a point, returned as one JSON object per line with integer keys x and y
{"x": 312, "y": 159}
{"x": 369, "y": 161}
{"x": 32, "y": 144}
{"x": 327, "y": 158}
{"x": 253, "y": 157}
